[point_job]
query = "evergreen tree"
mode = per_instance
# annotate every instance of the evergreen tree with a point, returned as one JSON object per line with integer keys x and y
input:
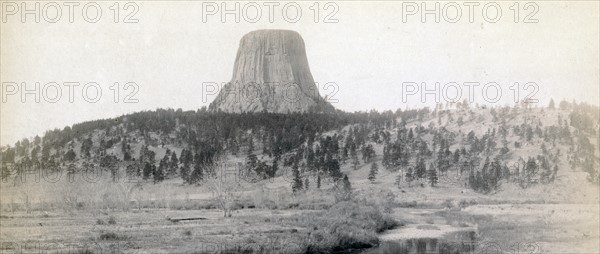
{"x": 86, "y": 146}
{"x": 163, "y": 165}
{"x": 554, "y": 171}
{"x": 420, "y": 169}
{"x": 344, "y": 154}
{"x": 373, "y": 171}
{"x": 492, "y": 179}
{"x": 250, "y": 145}
{"x": 275, "y": 167}
{"x": 159, "y": 175}
{"x": 174, "y": 161}
{"x": 127, "y": 156}
{"x": 472, "y": 180}
{"x": 409, "y": 176}
{"x": 186, "y": 157}
{"x": 70, "y": 155}
{"x": 251, "y": 162}
{"x": 547, "y": 170}
{"x": 456, "y": 156}
{"x": 147, "y": 172}
{"x": 197, "y": 174}
{"x": 354, "y": 156}
{"x": 432, "y": 176}
{"x": 346, "y": 184}
{"x": 368, "y": 152}
{"x": 344, "y": 192}
{"x": 297, "y": 181}
{"x": 530, "y": 171}
{"x": 333, "y": 167}
{"x": 478, "y": 181}
{"x": 318, "y": 181}
{"x": 184, "y": 172}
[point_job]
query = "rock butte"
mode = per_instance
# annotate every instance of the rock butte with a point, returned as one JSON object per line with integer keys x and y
{"x": 270, "y": 74}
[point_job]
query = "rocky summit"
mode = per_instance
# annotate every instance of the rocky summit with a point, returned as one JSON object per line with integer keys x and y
{"x": 271, "y": 74}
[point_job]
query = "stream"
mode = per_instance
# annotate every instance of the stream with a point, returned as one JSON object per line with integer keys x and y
{"x": 450, "y": 243}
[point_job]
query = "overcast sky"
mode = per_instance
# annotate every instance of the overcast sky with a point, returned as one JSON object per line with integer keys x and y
{"x": 368, "y": 53}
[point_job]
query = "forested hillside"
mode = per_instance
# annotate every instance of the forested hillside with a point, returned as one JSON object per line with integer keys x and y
{"x": 484, "y": 147}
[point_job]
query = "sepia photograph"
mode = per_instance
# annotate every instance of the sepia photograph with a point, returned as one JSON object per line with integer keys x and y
{"x": 355, "y": 127}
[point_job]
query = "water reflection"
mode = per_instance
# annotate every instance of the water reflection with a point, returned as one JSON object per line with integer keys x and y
{"x": 458, "y": 242}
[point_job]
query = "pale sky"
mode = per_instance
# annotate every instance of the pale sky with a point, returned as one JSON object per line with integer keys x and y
{"x": 369, "y": 53}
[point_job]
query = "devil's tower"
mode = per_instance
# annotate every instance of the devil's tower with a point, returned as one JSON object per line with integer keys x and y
{"x": 270, "y": 74}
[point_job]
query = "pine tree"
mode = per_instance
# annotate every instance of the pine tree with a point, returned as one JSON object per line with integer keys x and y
{"x": 163, "y": 165}
{"x": 86, "y": 146}
{"x": 354, "y": 156}
{"x": 251, "y": 162}
{"x": 344, "y": 154}
{"x": 70, "y": 155}
{"x": 184, "y": 172}
{"x": 456, "y": 156}
{"x": 174, "y": 161}
{"x": 554, "y": 171}
{"x": 409, "y": 175}
{"x": 345, "y": 192}
{"x": 159, "y": 174}
{"x": 333, "y": 167}
{"x": 547, "y": 170}
{"x": 297, "y": 181}
{"x": 420, "y": 169}
{"x": 373, "y": 172}
{"x": 432, "y": 176}
{"x": 185, "y": 157}
{"x": 347, "y": 184}
{"x": 275, "y": 167}
{"x": 530, "y": 170}
{"x": 318, "y": 181}
{"x": 126, "y": 156}
{"x": 472, "y": 180}
{"x": 147, "y": 172}
{"x": 493, "y": 177}
{"x": 197, "y": 174}
{"x": 250, "y": 145}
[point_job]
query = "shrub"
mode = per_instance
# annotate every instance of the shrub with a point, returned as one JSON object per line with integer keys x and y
{"x": 408, "y": 204}
{"x": 346, "y": 225}
{"x": 111, "y": 236}
{"x": 448, "y": 204}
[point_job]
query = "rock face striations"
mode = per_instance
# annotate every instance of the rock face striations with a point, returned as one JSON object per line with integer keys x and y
{"x": 270, "y": 74}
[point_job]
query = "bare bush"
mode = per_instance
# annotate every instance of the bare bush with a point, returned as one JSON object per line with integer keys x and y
{"x": 224, "y": 187}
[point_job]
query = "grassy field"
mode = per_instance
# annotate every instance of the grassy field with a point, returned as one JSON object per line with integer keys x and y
{"x": 526, "y": 227}
{"x": 122, "y": 217}
{"x": 146, "y": 231}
